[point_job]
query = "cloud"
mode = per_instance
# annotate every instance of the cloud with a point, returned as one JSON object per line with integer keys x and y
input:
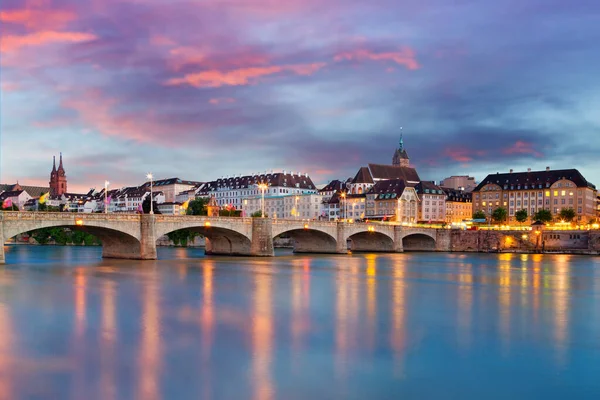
{"x": 221, "y": 100}
{"x": 38, "y": 18}
{"x": 522, "y": 147}
{"x": 241, "y": 76}
{"x": 405, "y": 57}
{"x": 11, "y": 43}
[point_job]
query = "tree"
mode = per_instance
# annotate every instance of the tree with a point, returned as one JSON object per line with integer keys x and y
{"x": 521, "y": 216}
{"x": 146, "y": 206}
{"x": 543, "y": 215}
{"x": 258, "y": 214}
{"x": 500, "y": 214}
{"x": 567, "y": 214}
{"x": 182, "y": 237}
{"x": 197, "y": 206}
{"x": 479, "y": 215}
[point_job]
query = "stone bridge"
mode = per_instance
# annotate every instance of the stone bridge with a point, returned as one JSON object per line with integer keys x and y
{"x": 134, "y": 236}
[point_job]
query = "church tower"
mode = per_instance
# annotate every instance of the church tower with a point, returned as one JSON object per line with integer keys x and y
{"x": 400, "y": 158}
{"x": 58, "y": 178}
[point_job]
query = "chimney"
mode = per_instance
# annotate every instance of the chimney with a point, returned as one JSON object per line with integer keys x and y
{"x": 547, "y": 168}
{"x": 511, "y": 171}
{"x": 528, "y": 169}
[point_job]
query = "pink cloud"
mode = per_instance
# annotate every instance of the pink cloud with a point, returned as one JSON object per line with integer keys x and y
{"x": 11, "y": 43}
{"x": 522, "y": 147}
{"x": 406, "y": 57}
{"x": 37, "y": 16}
{"x": 183, "y": 56}
{"x": 10, "y": 86}
{"x": 221, "y": 100}
{"x": 463, "y": 155}
{"x": 240, "y": 76}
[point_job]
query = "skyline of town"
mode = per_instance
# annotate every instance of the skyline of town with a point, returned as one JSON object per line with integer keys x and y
{"x": 123, "y": 88}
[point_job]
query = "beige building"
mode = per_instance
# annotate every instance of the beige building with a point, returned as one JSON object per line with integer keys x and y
{"x": 392, "y": 200}
{"x": 459, "y": 205}
{"x": 432, "y": 203}
{"x": 536, "y": 190}
{"x": 459, "y": 182}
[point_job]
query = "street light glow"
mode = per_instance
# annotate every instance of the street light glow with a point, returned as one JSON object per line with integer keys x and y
{"x": 149, "y": 175}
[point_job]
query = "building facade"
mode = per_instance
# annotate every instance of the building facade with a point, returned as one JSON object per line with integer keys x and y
{"x": 302, "y": 206}
{"x": 392, "y": 200}
{"x": 532, "y": 191}
{"x": 172, "y": 187}
{"x": 459, "y": 182}
{"x": 458, "y": 205}
{"x": 232, "y": 191}
{"x": 432, "y": 203}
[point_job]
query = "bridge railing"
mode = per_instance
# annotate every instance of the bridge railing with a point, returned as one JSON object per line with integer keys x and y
{"x": 66, "y": 216}
{"x": 179, "y": 218}
{"x": 282, "y": 221}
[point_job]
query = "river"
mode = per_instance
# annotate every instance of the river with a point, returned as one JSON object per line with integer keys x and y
{"x": 362, "y": 326}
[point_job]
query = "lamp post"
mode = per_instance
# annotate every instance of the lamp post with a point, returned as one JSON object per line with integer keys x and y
{"x": 106, "y": 183}
{"x": 343, "y": 195}
{"x": 262, "y": 188}
{"x": 296, "y": 208}
{"x": 149, "y": 176}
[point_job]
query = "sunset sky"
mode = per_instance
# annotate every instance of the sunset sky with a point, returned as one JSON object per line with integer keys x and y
{"x": 209, "y": 88}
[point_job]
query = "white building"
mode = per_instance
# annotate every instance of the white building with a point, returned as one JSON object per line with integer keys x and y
{"x": 306, "y": 206}
{"x": 233, "y": 190}
{"x": 17, "y": 198}
{"x": 172, "y": 187}
{"x": 170, "y": 208}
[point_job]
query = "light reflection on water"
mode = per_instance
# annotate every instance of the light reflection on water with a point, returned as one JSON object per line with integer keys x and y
{"x": 363, "y": 326}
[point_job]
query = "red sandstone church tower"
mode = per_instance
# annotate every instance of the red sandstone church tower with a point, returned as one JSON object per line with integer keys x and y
{"x": 58, "y": 179}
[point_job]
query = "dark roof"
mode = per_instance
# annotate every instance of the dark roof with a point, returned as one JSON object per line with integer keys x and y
{"x": 388, "y": 189}
{"x": 33, "y": 191}
{"x": 363, "y": 176}
{"x": 428, "y": 187}
{"x": 171, "y": 181}
{"x": 534, "y": 179}
{"x": 384, "y": 172}
{"x": 456, "y": 195}
{"x": 13, "y": 193}
{"x": 277, "y": 179}
{"x": 334, "y": 186}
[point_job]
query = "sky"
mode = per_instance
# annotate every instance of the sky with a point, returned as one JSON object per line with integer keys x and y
{"x": 201, "y": 89}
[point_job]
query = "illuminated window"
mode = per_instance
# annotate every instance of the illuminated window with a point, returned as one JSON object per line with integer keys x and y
{"x": 556, "y": 192}
{"x": 547, "y": 193}
{"x": 562, "y": 193}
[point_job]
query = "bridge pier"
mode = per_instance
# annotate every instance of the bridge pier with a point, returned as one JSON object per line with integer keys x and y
{"x": 398, "y": 233}
{"x": 341, "y": 242}
{"x": 148, "y": 237}
{"x": 262, "y": 238}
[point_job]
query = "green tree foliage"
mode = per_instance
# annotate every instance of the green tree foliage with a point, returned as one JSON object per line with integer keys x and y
{"x": 479, "y": 215}
{"x": 182, "y": 237}
{"x": 521, "y": 216}
{"x": 45, "y": 207}
{"x": 543, "y": 215}
{"x": 230, "y": 213}
{"x": 567, "y": 214}
{"x": 197, "y": 206}
{"x": 500, "y": 214}
{"x": 258, "y": 214}
{"x": 63, "y": 236}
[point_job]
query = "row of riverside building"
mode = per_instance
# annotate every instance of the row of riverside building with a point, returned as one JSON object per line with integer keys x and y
{"x": 393, "y": 192}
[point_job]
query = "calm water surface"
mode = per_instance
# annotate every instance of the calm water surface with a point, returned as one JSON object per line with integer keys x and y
{"x": 421, "y": 325}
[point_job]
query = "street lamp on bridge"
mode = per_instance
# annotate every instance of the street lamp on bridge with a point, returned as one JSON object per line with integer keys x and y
{"x": 106, "y": 183}
{"x": 149, "y": 176}
{"x": 262, "y": 187}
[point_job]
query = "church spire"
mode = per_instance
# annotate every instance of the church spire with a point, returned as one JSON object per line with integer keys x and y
{"x": 60, "y": 164}
{"x": 401, "y": 143}
{"x": 53, "y": 163}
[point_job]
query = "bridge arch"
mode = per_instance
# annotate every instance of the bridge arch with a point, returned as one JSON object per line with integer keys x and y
{"x": 222, "y": 235}
{"x": 370, "y": 241}
{"x": 308, "y": 236}
{"x": 419, "y": 241}
{"x": 117, "y": 241}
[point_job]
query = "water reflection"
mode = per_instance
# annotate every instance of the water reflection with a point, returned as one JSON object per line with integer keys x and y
{"x": 262, "y": 338}
{"x": 364, "y": 326}
{"x": 561, "y": 307}
{"x": 6, "y": 342}
{"x": 398, "y": 317}
{"x": 207, "y": 325}
{"x": 150, "y": 357}
{"x": 108, "y": 364}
